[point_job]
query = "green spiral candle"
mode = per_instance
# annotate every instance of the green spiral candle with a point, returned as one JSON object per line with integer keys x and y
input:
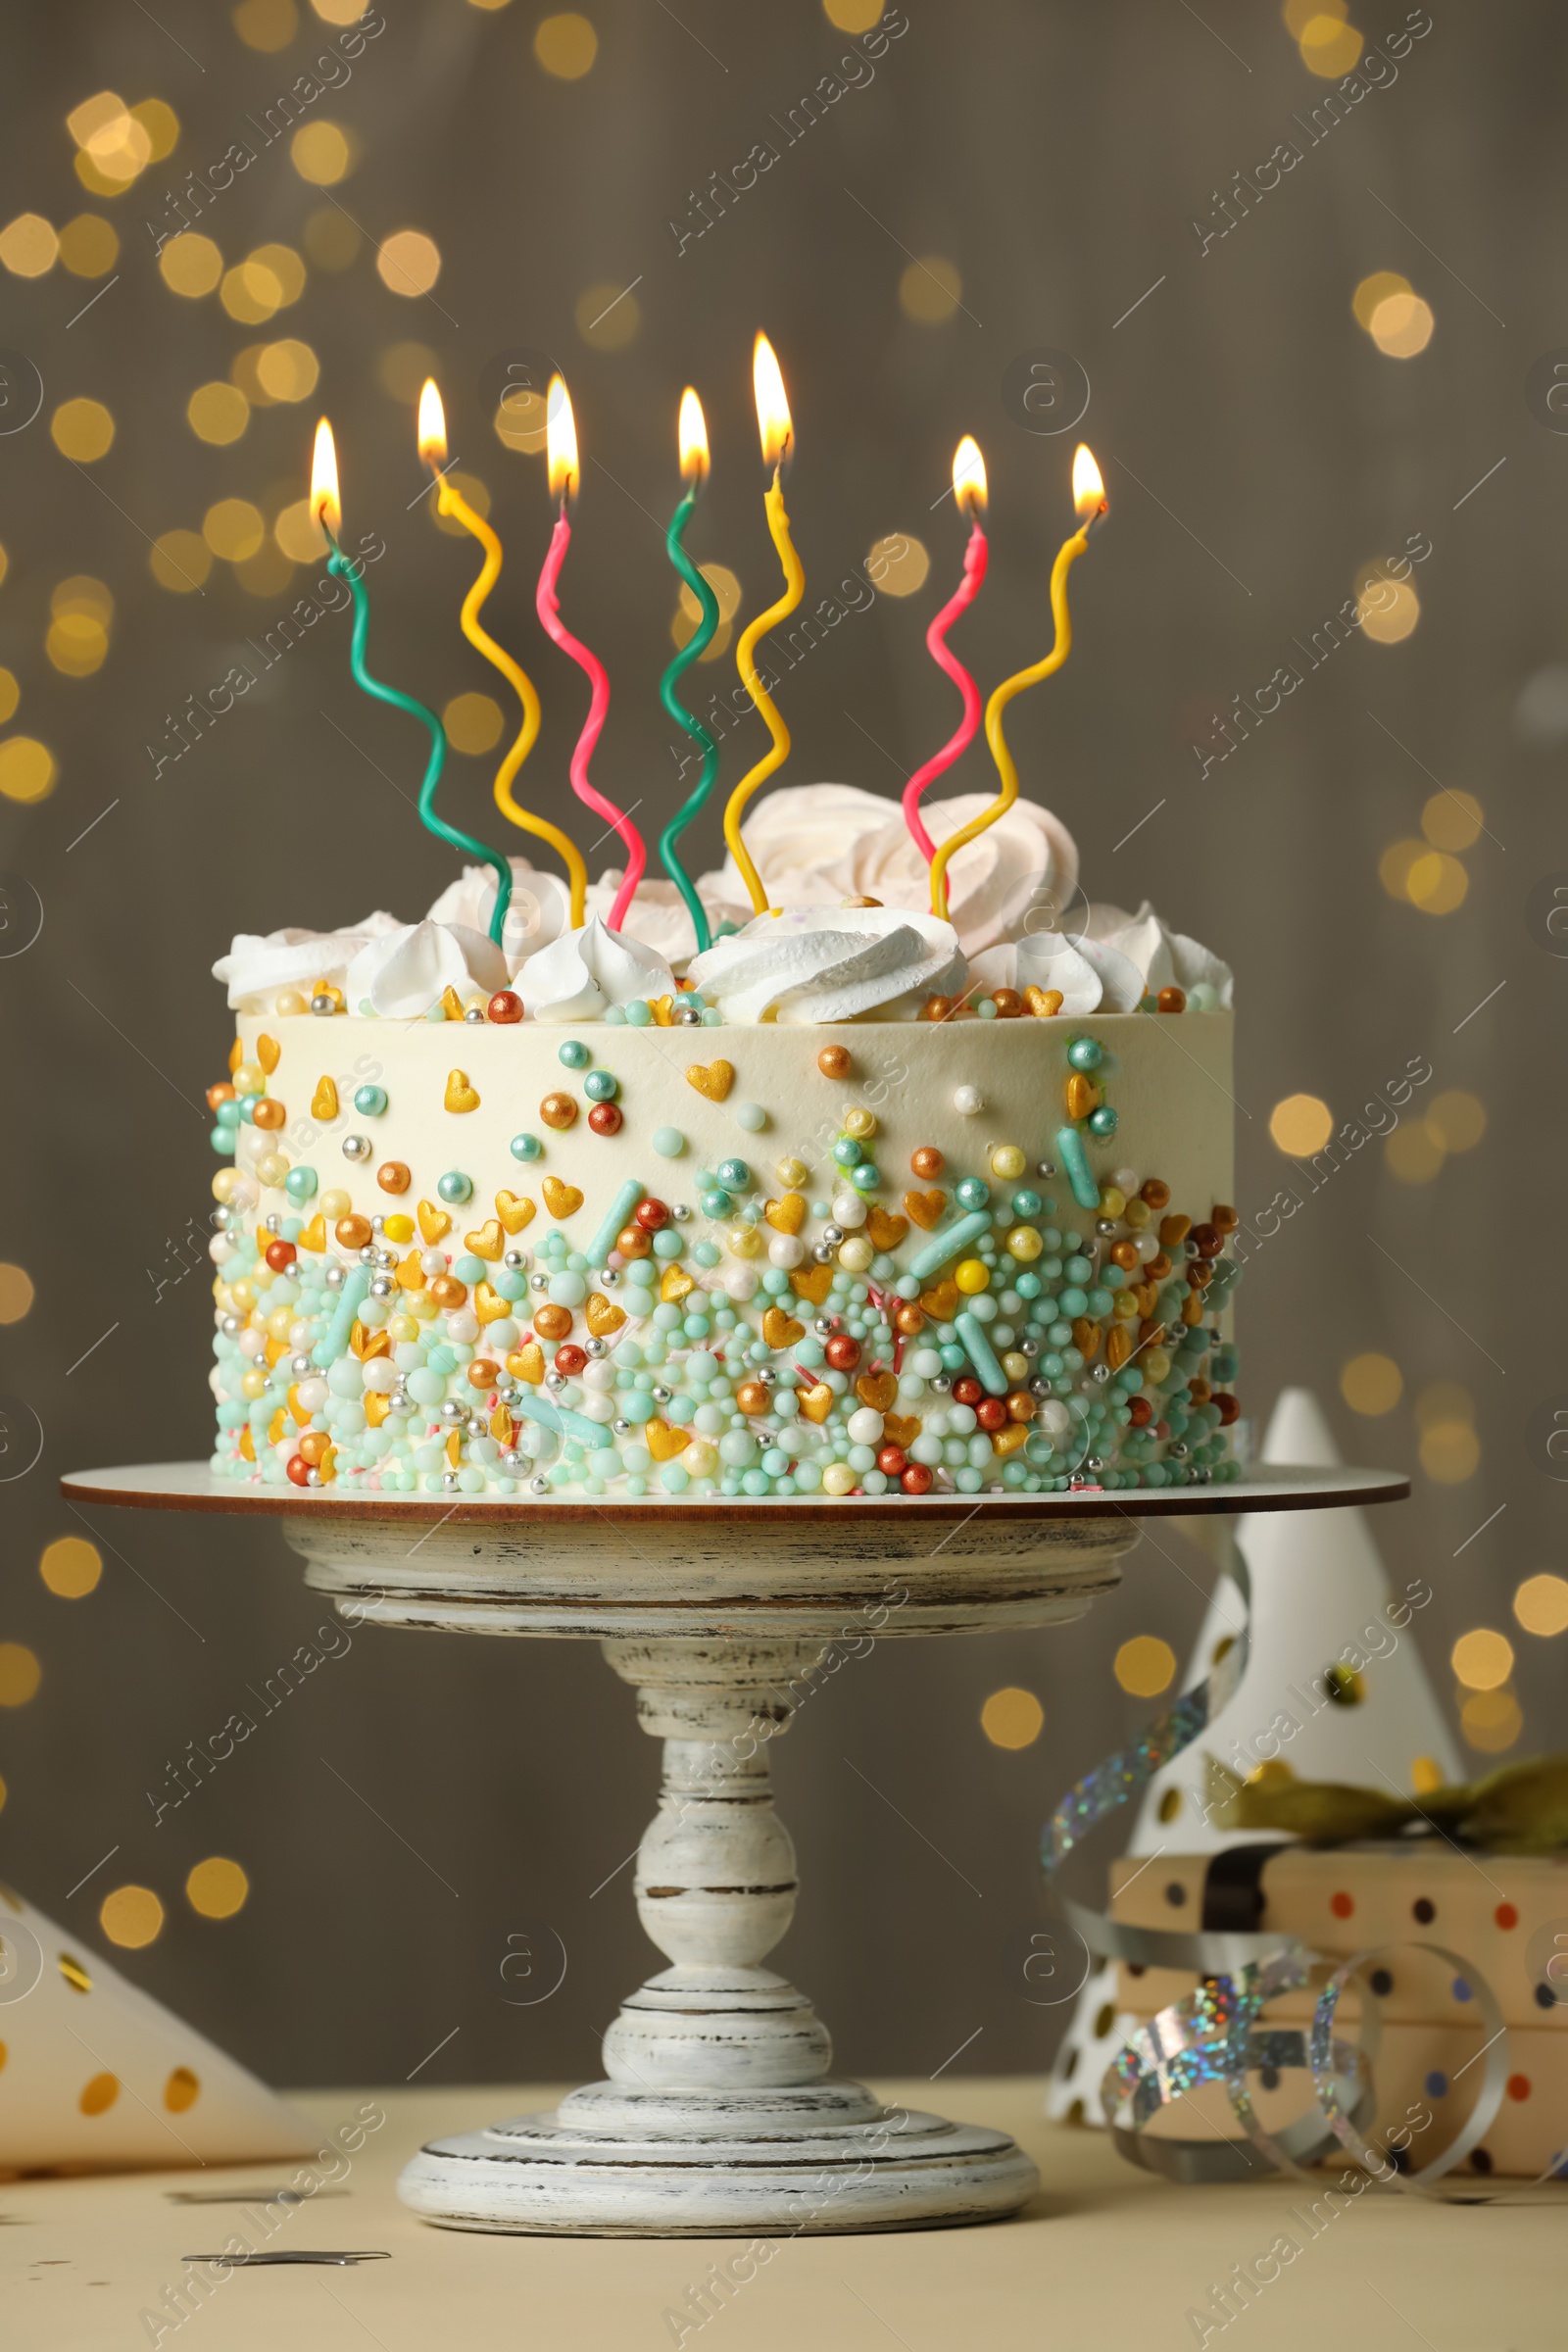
{"x": 328, "y": 512}
{"x": 694, "y": 468}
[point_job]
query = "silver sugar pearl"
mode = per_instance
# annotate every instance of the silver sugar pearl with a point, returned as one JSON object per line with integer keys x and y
{"x": 300, "y": 1366}
{"x": 221, "y": 1218}
{"x": 322, "y": 1006}
{"x": 453, "y": 1410}
{"x": 512, "y": 1460}
{"x": 274, "y": 1223}
{"x": 231, "y": 1326}
{"x": 378, "y": 1224}
{"x": 1044, "y": 1167}
{"x": 1094, "y": 1463}
{"x": 478, "y": 1424}
{"x": 1029, "y": 1347}
{"x": 610, "y": 1278}
{"x": 369, "y": 1256}
{"x": 514, "y": 1260}
{"x": 1101, "y": 1372}
{"x": 538, "y": 1281}
{"x": 598, "y": 1348}
{"x": 355, "y": 1147}
{"x": 823, "y": 1327}
{"x": 661, "y": 1395}
{"x": 539, "y": 1485}
{"x": 1107, "y": 1228}
{"x": 823, "y": 1253}
{"x": 941, "y": 1384}
{"x": 767, "y": 1378}
{"x": 382, "y": 1287}
{"x": 1040, "y": 1386}
{"x": 833, "y": 1235}
{"x": 688, "y": 1016}
{"x": 621, "y": 1427}
{"x": 473, "y": 1012}
{"x": 555, "y": 1379}
{"x": 333, "y": 1277}
{"x": 681, "y": 1212}
{"x": 450, "y": 1483}
{"x": 1177, "y": 1451}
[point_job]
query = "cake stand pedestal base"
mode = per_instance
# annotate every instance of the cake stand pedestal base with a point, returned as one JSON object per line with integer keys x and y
{"x": 718, "y": 2117}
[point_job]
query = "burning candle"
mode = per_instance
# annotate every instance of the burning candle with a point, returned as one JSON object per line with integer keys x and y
{"x": 773, "y": 422}
{"x": 693, "y": 434}
{"x": 969, "y": 495}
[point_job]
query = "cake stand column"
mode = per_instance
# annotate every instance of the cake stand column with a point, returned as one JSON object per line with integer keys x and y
{"x": 718, "y": 2116}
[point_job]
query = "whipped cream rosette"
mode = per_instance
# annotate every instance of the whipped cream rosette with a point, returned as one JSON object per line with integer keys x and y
{"x": 401, "y": 974}
{"x": 581, "y": 974}
{"x": 255, "y": 968}
{"x": 812, "y": 964}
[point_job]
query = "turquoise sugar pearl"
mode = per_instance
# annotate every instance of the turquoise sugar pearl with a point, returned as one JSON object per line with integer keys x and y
{"x": 1027, "y": 1204}
{"x": 848, "y": 1152}
{"x": 716, "y": 1205}
{"x": 616, "y": 1016}
{"x": 1104, "y": 1121}
{"x": 435, "y": 1011}
{"x": 573, "y": 1054}
{"x": 300, "y": 1183}
{"x": 669, "y": 1144}
{"x": 455, "y": 1186}
{"x": 972, "y": 1191}
{"x": 734, "y": 1175}
{"x": 469, "y": 1269}
{"x": 1086, "y": 1054}
{"x": 639, "y": 1013}
{"x": 371, "y": 1101}
{"x": 601, "y": 1086}
{"x": 865, "y": 1176}
{"x": 986, "y": 1009}
{"x": 751, "y": 1117}
{"x": 527, "y": 1147}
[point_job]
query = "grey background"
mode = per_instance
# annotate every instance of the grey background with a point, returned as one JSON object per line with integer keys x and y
{"x": 1257, "y": 449}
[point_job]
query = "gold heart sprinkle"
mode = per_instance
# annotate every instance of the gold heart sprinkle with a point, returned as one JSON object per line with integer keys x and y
{"x": 942, "y": 1302}
{"x": 926, "y": 1208}
{"x": 816, "y": 1404}
{"x": 528, "y": 1363}
{"x": 878, "y": 1390}
{"x": 515, "y": 1209}
{"x": 812, "y": 1282}
{"x": 409, "y": 1276}
{"x": 673, "y": 1285}
{"x": 713, "y": 1080}
{"x": 268, "y": 1051}
{"x": 488, "y": 1305}
{"x": 459, "y": 1095}
{"x": 486, "y": 1243}
{"x": 780, "y": 1329}
{"x": 663, "y": 1441}
{"x": 562, "y": 1200}
{"x": 433, "y": 1221}
{"x": 663, "y": 1009}
{"x": 314, "y": 1235}
{"x": 603, "y": 1315}
{"x": 884, "y": 1230}
{"x": 323, "y": 1102}
{"x": 900, "y": 1429}
{"x": 787, "y": 1215}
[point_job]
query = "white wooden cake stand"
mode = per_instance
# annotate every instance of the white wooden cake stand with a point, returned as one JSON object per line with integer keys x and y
{"x": 719, "y": 2115}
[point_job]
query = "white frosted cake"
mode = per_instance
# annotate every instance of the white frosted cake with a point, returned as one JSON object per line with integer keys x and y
{"x": 858, "y": 1201}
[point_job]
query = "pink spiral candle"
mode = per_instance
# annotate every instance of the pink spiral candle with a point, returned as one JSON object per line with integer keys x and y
{"x": 936, "y": 637}
{"x": 599, "y": 703}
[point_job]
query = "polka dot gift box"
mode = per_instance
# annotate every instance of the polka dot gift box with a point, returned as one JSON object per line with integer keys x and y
{"x": 855, "y": 1202}
{"x": 95, "y": 2075}
{"x": 1506, "y": 1915}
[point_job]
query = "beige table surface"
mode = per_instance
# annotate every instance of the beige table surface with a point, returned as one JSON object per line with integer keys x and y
{"x": 1107, "y": 2258}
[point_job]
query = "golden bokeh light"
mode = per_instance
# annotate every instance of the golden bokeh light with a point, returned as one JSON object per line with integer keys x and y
{"x": 190, "y": 265}
{"x": 81, "y": 593}
{"x": 1450, "y": 1452}
{"x": 489, "y": 4}
{"x": 287, "y": 369}
{"x": 266, "y": 572}
{"x": 10, "y": 697}
{"x": 71, "y": 1566}
{"x": 322, "y": 152}
{"x": 898, "y": 564}
{"x": 1426, "y": 1775}
{"x": 29, "y": 245}
{"x": 520, "y": 422}
{"x": 853, "y": 16}
{"x": 1145, "y": 1666}
{"x": 217, "y": 412}
{"x": 5, "y": 564}
{"x": 1540, "y": 1604}
{"x": 298, "y": 534}
{"x": 162, "y": 126}
{"x": 1436, "y": 883}
{"x": 1456, "y": 1120}
{"x": 1401, "y": 326}
{"x": 1483, "y": 1660}
{"x": 929, "y": 290}
{"x": 244, "y": 372}
{"x": 180, "y": 562}
{"x": 89, "y": 246}
{"x": 16, "y": 1292}
{"x": 1299, "y": 14}
{"x": 1452, "y": 820}
{"x": 1413, "y": 1155}
{"x": 339, "y": 11}
{"x": 409, "y": 263}
{"x": 233, "y": 529}
{"x": 688, "y": 613}
{"x": 76, "y": 644}
{"x": 1490, "y": 1721}
{"x": 1387, "y": 609}
{"x": 216, "y": 1887}
{"x": 114, "y": 144}
{"x": 1394, "y": 866}
{"x": 27, "y": 770}
{"x": 265, "y": 25}
{"x": 82, "y": 431}
{"x": 331, "y": 238}
{"x": 472, "y": 722}
{"x": 608, "y": 317}
{"x": 469, "y": 486}
{"x": 1329, "y": 46}
{"x": 403, "y": 367}
{"x": 131, "y": 1917}
{"x": 19, "y": 1674}
{"x": 565, "y": 46}
{"x": 1371, "y": 1384}
{"x": 1375, "y": 289}
{"x": 1300, "y": 1125}
{"x": 1012, "y": 1718}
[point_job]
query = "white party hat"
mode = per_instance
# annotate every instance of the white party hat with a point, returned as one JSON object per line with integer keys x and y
{"x": 96, "y": 2075}
{"x": 1334, "y": 1688}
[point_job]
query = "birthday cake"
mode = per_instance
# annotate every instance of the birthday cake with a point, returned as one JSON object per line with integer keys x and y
{"x": 856, "y": 1201}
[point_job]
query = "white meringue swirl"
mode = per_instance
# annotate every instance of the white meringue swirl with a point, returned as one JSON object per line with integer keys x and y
{"x": 541, "y": 909}
{"x": 583, "y": 972}
{"x": 255, "y": 967}
{"x": 812, "y": 965}
{"x": 403, "y": 973}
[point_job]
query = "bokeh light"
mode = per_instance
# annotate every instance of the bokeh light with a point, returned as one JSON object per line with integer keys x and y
{"x": 898, "y": 564}
{"x": 1012, "y": 1718}
{"x": 29, "y": 245}
{"x": 10, "y": 697}
{"x": 1373, "y": 290}
{"x": 265, "y": 572}
{"x": 409, "y": 263}
{"x": 217, "y": 412}
{"x": 1483, "y": 1660}
{"x": 1329, "y": 46}
{"x": 131, "y": 1917}
{"x": 339, "y": 11}
{"x": 298, "y": 534}
{"x": 1145, "y": 1665}
{"x": 565, "y": 46}
{"x": 288, "y": 370}
{"x": 76, "y": 644}
{"x": 233, "y": 529}
{"x": 1387, "y": 609}
{"x": 608, "y": 317}
{"x": 1456, "y": 1120}
{"x": 1490, "y": 1721}
{"x": 71, "y": 1566}
{"x": 89, "y": 246}
{"x": 519, "y": 421}
{"x": 322, "y": 152}
{"x": 216, "y": 1887}
{"x": 1450, "y": 1452}
{"x": 265, "y": 25}
{"x": 1401, "y": 326}
{"x": 1412, "y": 1154}
{"x": 190, "y": 265}
{"x": 15, "y": 1293}
{"x": 853, "y": 16}
{"x": 113, "y": 143}
{"x": 82, "y": 431}
{"x": 472, "y": 722}
{"x": 476, "y": 493}
{"x": 929, "y": 290}
{"x": 180, "y": 562}
{"x": 1300, "y": 1125}
{"x": 1371, "y": 1384}
{"x": 727, "y": 588}
{"x": 1540, "y": 1604}
{"x": 1436, "y": 883}
{"x": 1452, "y": 820}
{"x": 28, "y": 769}
{"x": 162, "y": 126}
{"x": 19, "y": 1674}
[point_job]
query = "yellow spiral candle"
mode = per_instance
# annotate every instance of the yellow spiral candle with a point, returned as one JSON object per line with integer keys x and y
{"x": 1089, "y": 498}
{"x": 774, "y": 421}
{"x": 451, "y": 501}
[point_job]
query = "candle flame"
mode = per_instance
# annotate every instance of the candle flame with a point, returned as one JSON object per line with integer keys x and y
{"x": 1087, "y": 490}
{"x": 561, "y": 440}
{"x": 432, "y": 425}
{"x": 772, "y": 408}
{"x": 325, "y": 508}
{"x": 693, "y": 439}
{"x": 969, "y": 476}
